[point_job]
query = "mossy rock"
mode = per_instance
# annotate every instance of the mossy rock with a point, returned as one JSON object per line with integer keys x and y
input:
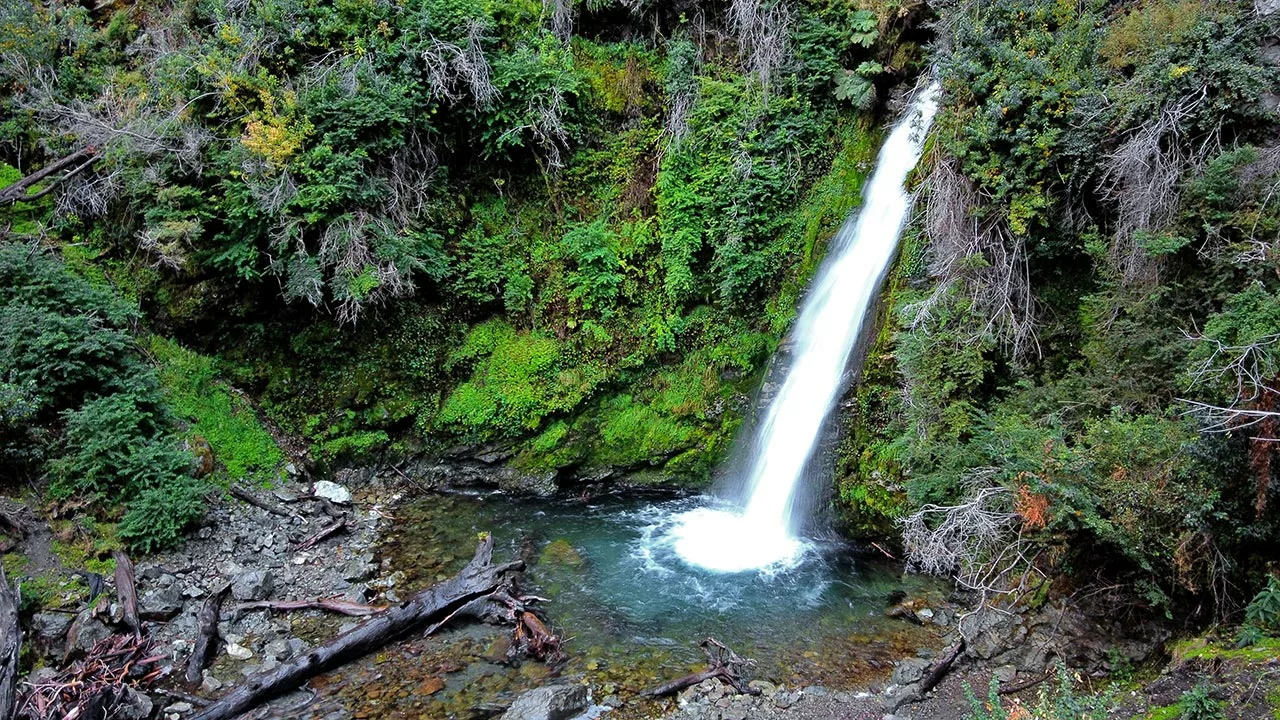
{"x": 560, "y": 553}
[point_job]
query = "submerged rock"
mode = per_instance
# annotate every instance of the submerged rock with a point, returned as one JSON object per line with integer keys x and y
{"x": 553, "y": 702}
{"x": 560, "y": 552}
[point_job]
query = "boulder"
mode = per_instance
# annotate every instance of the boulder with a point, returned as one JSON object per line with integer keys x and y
{"x": 161, "y": 603}
{"x": 332, "y": 491}
{"x": 48, "y": 630}
{"x": 909, "y": 671}
{"x": 553, "y": 702}
{"x": 252, "y": 585}
{"x": 85, "y": 632}
{"x": 133, "y": 705}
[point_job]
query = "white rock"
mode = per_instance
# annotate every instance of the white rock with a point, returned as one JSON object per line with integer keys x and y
{"x": 332, "y": 491}
{"x": 239, "y": 652}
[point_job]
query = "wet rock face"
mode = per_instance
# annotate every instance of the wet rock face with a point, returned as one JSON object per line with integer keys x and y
{"x": 553, "y": 702}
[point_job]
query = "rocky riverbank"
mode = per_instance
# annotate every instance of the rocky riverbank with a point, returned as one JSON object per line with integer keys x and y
{"x": 254, "y": 549}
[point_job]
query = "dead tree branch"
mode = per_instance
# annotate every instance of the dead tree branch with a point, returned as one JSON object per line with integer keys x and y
{"x": 722, "y": 664}
{"x": 127, "y": 591}
{"x": 202, "y": 652}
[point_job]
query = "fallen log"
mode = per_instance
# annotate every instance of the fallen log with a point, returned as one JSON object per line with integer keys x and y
{"x": 724, "y": 665}
{"x": 207, "y": 620}
{"x": 939, "y": 669}
{"x": 479, "y": 578}
{"x": 74, "y": 164}
{"x": 331, "y": 604}
{"x": 127, "y": 591}
{"x": 323, "y": 533}
{"x": 239, "y": 492}
{"x": 10, "y": 646}
{"x": 1010, "y": 688}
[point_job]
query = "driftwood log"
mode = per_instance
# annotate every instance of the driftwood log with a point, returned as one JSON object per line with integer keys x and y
{"x": 206, "y": 640}
{"x": 10, "y": 646}
{"x": 1010, "y": 688}
{"x": 323, "y": 533}
{"x": 478, "y": 579}
{"x": 338, "y": 605}
{"x": 243, "y": 494}
{"x": 127, "y": 592}
{"x": 722, "y": 664}
{"x": 939, "y": 669}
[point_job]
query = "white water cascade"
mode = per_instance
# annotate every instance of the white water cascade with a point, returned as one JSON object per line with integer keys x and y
{"x": 762, "y": 534}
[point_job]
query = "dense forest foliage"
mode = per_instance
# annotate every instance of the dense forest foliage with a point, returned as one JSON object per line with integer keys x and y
{"x": 575, "y": 232}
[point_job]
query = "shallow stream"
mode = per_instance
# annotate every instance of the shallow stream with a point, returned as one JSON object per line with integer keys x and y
{"x": 632, "y": 611}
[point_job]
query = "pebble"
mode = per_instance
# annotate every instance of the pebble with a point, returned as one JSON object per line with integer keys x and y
{"x": 179, "y": 707}
{"x": 238, "y": 652}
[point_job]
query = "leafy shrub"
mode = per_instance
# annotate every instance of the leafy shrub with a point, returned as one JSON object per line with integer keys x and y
{"x": 80, "y": 403}
{"x": 1262, "y": 616}
{"x": 156, "y": 519}
{"x": 1198, "y": 703}
{"x": 1060, "y": 703}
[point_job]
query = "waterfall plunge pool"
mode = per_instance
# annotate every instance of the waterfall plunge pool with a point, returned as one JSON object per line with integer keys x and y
{"x": 633, "y": 611}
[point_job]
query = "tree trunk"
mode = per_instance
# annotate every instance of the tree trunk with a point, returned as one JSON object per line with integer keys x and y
{"x": 77, "y": 161}
{"x": 127, "y": 591}
{"x": 10, "y": 646}
{"x": 479, "y": 578}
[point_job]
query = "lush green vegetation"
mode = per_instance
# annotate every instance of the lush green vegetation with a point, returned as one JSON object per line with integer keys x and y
{"x": 1090, "y": 321}
{"x": 575, "y": 233}
{"x": 400, "y": 227}
{"x": 80, "y": 402}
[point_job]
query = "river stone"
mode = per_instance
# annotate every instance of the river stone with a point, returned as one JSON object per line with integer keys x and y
{"x": 359, "y": 569}
{"x": 553, "y": 702}
{"x": 278, "y": 649}
{"x": 909, "y": 671}
{"x": 238, "y": 652}
{"x": 252, "y": 585}
{"x": 899, "y": 697}
{"x": 332, "y": 491}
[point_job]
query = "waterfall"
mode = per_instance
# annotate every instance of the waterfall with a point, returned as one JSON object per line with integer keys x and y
{"x": 762, "y": 534}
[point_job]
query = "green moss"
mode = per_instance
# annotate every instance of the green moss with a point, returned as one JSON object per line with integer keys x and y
{"x": 213, "y": 411}
{"x": 517, "y": 380}
{"x": 1206, "y": 650}
{"x": 560, "y": 553}
{"x": 632, "y": 433}
{"x": 1166, "y": 712}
